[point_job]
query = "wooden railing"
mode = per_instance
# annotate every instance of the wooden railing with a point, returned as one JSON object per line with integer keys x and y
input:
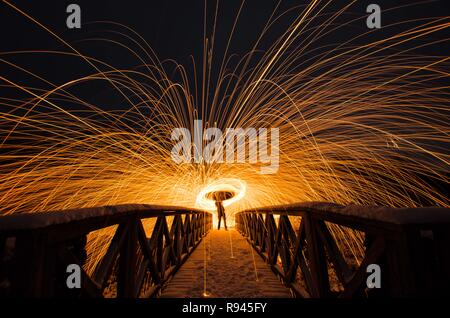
{"x": 305, "y": 246}
{"x": 36, "y": 249}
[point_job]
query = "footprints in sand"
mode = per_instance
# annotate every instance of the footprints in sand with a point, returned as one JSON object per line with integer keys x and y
{"x": 230, "y": 271}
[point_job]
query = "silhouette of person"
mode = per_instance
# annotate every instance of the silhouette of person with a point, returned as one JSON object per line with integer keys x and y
{"x": 221, "y": 214}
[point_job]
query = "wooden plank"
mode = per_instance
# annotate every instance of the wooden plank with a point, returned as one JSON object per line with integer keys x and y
{"x": 342, "y": 269}
{"x": 283, "y": 247}
{"x": 317, "y": 260}
{"x": 105, "y": 266}
{"x": 126, "y": 277}
{"x": 187, "y": 231}
{"x": 176, "y": 235}
{"x": 169, "y": 244}
{"x": 300, "y": 258}
{"x": 300, "y": 291}
{"x": 34, "y": 264}
{"x": 297, "y": 253}
{"x": 157, "y": 228}
{"x": 277, "y": 233}
{"x": 147, "y": 253}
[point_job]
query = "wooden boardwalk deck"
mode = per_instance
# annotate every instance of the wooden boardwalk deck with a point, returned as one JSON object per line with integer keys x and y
{"x": 232, "y": 269}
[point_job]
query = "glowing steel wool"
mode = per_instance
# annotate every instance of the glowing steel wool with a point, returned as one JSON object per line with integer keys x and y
{"x": 234, "y": 186}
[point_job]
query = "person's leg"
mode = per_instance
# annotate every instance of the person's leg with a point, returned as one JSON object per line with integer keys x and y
{"x": 225, "y": 221}
{"x": 218, "y": 227}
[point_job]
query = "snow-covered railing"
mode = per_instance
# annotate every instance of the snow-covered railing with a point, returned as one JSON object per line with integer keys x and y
{"x": 124, "y": 251}
{"x": 328, "y": 250}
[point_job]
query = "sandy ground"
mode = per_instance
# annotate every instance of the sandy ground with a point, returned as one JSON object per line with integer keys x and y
{"x": 233, "y": 269}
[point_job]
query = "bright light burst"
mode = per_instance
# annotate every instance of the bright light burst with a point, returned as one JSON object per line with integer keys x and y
{"x": 235, "y": 186}
{"x": 359, "y": 123}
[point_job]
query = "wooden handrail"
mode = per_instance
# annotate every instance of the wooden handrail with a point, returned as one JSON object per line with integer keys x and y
{"x": 26, "y": 221}
{"x": 410, "y": 245}
{"x": 400, "y": 216}
{"x": 36, "y": 248}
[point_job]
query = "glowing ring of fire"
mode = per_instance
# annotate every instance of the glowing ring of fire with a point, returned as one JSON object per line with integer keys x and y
{"x": 232, "y": 185}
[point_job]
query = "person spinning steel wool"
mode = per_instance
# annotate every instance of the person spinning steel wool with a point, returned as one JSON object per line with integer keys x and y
{"x": 221, "y": 214}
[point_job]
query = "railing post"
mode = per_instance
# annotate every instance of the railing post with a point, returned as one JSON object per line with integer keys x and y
{"x": 271, "y": 226}
{"x": 126, "y": 280}
{"x": 194, "y": 225}
{"x": 176, "y": 230}
{"x": 35, "y": 265}
{"x": 317, "y": 259}
{"x": 187, "y": 232}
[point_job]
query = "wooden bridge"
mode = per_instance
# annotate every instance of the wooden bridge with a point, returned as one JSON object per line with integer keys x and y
{"x": 225, "y": 265}
{"x": 299, "y": 250}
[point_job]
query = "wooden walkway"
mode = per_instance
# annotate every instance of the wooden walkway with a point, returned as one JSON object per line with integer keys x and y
{"x": 232, "y": 269}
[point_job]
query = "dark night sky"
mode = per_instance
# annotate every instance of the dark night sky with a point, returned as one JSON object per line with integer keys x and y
{"x": 174, "y": 29}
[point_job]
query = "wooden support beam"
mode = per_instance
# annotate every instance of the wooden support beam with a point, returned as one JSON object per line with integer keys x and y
{"x": 105, "y": 266}
{"x": 316, "y": 259}
{"x": 342, "y": 270}
{"x": 126, "y": 278}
